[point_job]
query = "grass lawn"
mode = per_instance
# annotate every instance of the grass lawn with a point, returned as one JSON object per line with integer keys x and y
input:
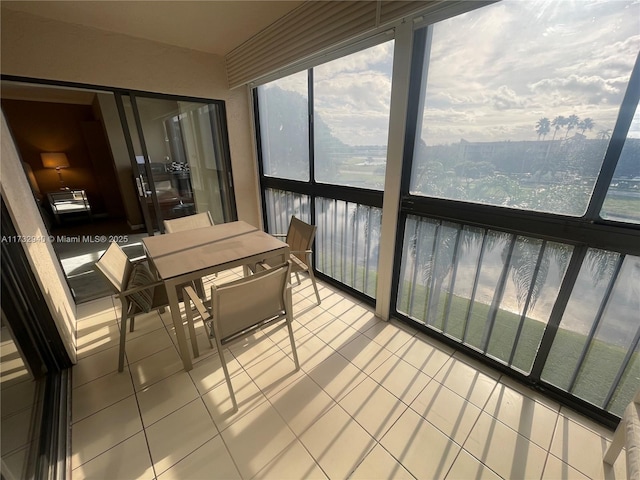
{"x": 598, "y": 370}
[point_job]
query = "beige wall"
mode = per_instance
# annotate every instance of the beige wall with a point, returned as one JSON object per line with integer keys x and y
{"x": 29, "y": 225}
{"x": 32, "y": 46}
{"x": 39, "y": 48}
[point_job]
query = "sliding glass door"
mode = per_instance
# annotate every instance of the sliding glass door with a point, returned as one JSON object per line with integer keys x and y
{"x": 180, "y": 158}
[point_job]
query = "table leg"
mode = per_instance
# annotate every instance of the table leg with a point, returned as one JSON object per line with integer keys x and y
{"x": 172, "y": 296}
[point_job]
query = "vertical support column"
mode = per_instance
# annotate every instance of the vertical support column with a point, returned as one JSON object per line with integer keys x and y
{"x": 393, "y": 174}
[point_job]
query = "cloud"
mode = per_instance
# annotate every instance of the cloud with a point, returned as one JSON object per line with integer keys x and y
{"x": 506, "y": 99}
{"x": 593, "y": 89}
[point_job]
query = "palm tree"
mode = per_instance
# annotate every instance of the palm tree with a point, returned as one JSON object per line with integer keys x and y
{"x": 586, "y": 124}
{"x": 604, "y": 134}
{"x": 572, "y": 121}
{"x": 543, "y": 127}
{"x": 558, "y": 123}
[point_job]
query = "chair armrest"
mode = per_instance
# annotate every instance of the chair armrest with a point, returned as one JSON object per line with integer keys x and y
{"x": 193, "y": 296}
{"x": 301, "y": 251}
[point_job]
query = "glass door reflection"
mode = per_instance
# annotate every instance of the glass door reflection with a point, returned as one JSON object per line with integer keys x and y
{"x": 182, "y": 159}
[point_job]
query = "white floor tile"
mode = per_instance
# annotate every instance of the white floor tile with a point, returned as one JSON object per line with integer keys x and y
{"x": 389, "y": 335}
{"x": 100, "y": 393}
{"x": 448, "y": 411}
{"x": 467, "y": 467}
{"x": 211, "y": 460}
{"x": 556, "y": 468}
{"x": 337, "y": 443}
{"x": 220, "y": 407}
{"x": 400, "y": 378}
{"x": 532, "y": 419}
{"x": 373, "y": 407}
{"x": 423, "y": 355}
{"x": 293, "y": 463}
{"x": 95, "y": 366}
{"x": 103, "y": 430}
{"x": 257, "y": 439}
{"x": 583, "y": 449}
{"x": 337, "y": 376}
{"x": 466, "y": 381}
{"x": 155, "y": 367}
{"x": 274, "y": 373}
{"x": 165, "y": 397}
{"x": 127, "y": 460}
{"x": 301, "y": 403}
{"x": 420, "y": 447}
{"x": 503, "y": 450}
{"x": 380, "y": 464}
{"x": 146, "y": 345}
{"x": 178, "y": 434}
{"x": 208, "y": 373}
{"x": 365, "y": 354}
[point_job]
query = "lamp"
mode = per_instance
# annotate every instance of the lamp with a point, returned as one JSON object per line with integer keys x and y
{"x": 57, "y": 161}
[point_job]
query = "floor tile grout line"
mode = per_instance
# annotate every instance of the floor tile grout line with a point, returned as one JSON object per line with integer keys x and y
{"x": 335, "y": 402}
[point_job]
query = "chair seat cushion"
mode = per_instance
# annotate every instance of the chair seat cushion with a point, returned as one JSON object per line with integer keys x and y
{"x": 143, "y": 299}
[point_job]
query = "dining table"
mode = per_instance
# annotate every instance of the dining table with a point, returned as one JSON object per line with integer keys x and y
{"x": 183, "y": 257}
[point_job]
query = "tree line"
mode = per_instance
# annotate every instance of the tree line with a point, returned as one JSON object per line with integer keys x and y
{"x": 544, "y": 125}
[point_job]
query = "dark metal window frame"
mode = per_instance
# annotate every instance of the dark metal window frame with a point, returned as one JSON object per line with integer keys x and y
{"x": 311, "y": 188}
{"x": 582, "y": 232}
{"x": 35, "y": 331}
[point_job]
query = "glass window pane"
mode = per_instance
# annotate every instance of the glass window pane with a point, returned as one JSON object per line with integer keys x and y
{"x": 622, "y": 202}
{"x": 351, "y": 118}
{"x": 347, "y": 243}
{"x": 518, "y": 99}
{"x": 491, "y": 290}
{"x": 284, "y": 127}
{"x": 282, "y": 205}
{"x": 598, "y": 336}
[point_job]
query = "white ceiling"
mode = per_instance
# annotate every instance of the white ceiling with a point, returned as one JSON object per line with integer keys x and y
{"x": 208, "y": 26}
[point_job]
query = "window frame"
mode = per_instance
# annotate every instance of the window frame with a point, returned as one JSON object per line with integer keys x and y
{"x": 587, "y": 231}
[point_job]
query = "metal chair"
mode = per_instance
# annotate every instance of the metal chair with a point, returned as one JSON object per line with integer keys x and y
{"x": 300, "y": 237}
{"x": 136, "y": 288}
{"x": 190, "y": 222}
{"x": 241, "y": 306}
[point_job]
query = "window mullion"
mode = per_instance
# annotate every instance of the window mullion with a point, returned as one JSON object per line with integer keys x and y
{"x": 618, "y": 137}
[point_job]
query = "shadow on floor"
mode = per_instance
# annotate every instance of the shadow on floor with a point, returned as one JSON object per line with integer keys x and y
{"x": 79, "y": 245}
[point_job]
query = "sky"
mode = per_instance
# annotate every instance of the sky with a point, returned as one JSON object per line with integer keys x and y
{"x": 497, "y": 70}
{"x": 493, "y": 73}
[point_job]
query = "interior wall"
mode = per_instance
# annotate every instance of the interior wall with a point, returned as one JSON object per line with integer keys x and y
{"x": 36, "y": 47}
{"x": 30, "y": 227}
{"x": 54, "y": 127}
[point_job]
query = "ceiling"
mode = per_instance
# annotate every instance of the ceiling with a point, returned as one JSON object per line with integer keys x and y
{"x": 208, "y": 26}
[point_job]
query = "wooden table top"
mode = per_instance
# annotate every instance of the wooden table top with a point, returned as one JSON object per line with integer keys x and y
{"x": 189, "y": 251}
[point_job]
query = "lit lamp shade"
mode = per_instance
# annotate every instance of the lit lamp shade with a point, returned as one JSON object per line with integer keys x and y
{"x": 54, "y": 160}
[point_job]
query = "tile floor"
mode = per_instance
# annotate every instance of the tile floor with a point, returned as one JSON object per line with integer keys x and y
{"x": 373, "y": 400}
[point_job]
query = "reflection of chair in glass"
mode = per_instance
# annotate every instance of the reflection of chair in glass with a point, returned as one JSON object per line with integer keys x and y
{"x": 300, "y": 237}
{"x": 241, "y": 306}
{"x": 136, "y": 287}
{"x": 187, "y": 223}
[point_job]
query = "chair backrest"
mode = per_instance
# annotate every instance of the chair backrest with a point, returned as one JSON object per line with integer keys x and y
{"x": 190, "y": 222}
{"x": 115, "y": 266}
{"x": 300, "y": 237}
{"x": 244, "y": 303}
